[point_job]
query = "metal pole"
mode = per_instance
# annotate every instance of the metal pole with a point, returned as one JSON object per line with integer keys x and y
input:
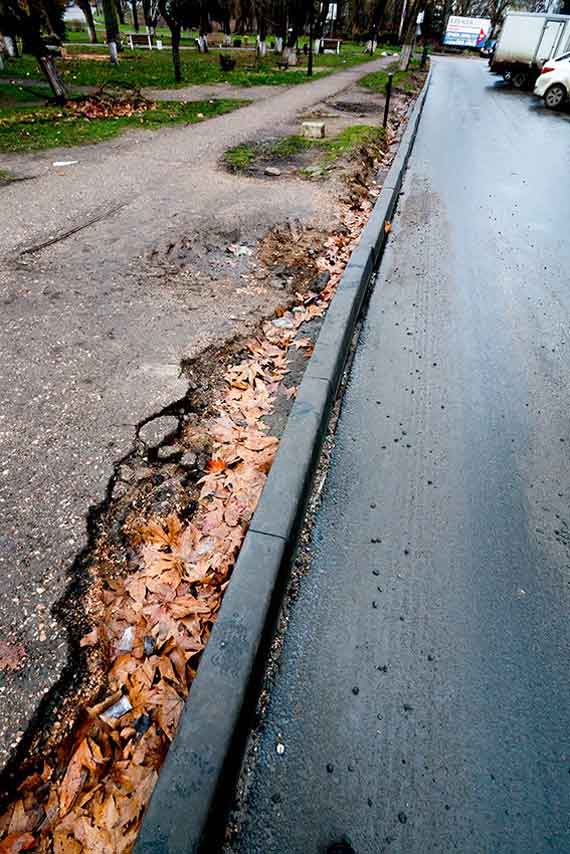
{"x": 310, "y": 62}
{"x": 387, "y": 105}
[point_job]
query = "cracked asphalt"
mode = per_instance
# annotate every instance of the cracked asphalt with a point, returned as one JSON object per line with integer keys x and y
{"x": 93, "y": 334}
{"x": 420, "y": 703}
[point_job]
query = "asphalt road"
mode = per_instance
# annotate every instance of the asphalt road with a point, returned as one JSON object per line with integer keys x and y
{"x": 93, "y": 332}
{"x": 422, "y": 697}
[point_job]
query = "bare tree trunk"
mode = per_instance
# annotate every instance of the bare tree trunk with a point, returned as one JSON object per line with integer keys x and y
{"x": 49, "y": 68}
{"x": 176, "y": 30}
{"x": 135, "y": 15}
{"x": 85, "y": 7}
{"x": 204, "y": 27}
{"x": 377, "y": 16}
{"x": 409, "y": 34}
{"x": 112, "y": 28}
{"x": 120, "y": 11}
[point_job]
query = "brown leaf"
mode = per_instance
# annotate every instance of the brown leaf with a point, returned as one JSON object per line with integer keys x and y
{"x": 12, "y": 655}
{"x": 16, "y": 842}
{"x": 215, "y": 465}
{"x": 77, "y": 772}
{"x": 20, "y": 821}
{"x": 90, "y": 639}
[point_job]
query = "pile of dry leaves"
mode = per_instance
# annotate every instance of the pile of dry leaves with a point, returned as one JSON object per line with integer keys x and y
{"x": 156, "y": 618}
{"x": 110, "y": 103}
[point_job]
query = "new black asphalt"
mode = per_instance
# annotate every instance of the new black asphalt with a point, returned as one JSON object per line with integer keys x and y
{"x": 422, "y": 700}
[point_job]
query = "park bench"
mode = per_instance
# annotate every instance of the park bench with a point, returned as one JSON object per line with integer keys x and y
{"x": 219, "y": 40}
{"x": 139, "y": 39}
{"x": 289, "y": 60}
{"x": 332, "y": 45}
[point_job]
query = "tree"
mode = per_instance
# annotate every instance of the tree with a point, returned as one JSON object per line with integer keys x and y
{"x": 135, "y": 15}
{"x": 112, "y": 28}
{"x": 377, "y": 14}
{"x": 39, "y": 23}
{"x": 177, "y": 14}
{"x": 85, "y": 7}
{"x": 150, "y": 12}
{"x": 409, "y": 33}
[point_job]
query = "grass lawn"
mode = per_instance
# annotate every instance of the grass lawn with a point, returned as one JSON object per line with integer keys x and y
{"x": 242, "y": 157}
{"x": 402, "y": 80}
{"x": 24, "y": 129}
{"x": 154, "y": 68}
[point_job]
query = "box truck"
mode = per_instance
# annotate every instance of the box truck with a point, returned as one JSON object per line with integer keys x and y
{"x": 526, "y": 41}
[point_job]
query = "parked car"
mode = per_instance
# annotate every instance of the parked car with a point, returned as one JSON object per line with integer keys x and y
{"x": 488, "y": 48}
{"x": 528, "y": 40}
{"x": 553, "y": 83}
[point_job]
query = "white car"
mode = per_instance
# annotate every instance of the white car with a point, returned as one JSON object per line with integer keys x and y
{"x": 553, "y": 83}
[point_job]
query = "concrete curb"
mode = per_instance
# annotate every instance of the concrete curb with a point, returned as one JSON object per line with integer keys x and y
{"x": 187, "y": 809}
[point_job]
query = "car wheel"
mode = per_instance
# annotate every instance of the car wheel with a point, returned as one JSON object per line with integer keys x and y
{"x": 519, "y": 79}
{"x": 555, "y": 96}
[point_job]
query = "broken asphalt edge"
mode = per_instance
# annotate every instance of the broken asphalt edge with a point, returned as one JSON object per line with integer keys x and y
{"x": 189, "y": 805}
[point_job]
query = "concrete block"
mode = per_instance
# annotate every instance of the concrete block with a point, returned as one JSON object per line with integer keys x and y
{"x": 313, "y": 130}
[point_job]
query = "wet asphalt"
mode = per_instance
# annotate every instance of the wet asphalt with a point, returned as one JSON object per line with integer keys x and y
{"x": 422, "y": 697}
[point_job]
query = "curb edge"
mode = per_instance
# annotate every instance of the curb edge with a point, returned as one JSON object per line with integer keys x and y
{"x": 195, "y": 785}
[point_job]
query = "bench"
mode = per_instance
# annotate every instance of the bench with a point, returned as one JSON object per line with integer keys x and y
{"x": 289, "y": 60}
{"x": 332, "y": 45}
{"x": 219, "y": 40}
{"x": 139, "y": 39}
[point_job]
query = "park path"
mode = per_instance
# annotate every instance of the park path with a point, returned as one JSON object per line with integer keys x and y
{"x": 420, "y": 702}
{"x": 93, "y": 336}
{"x": 165, "y": 166}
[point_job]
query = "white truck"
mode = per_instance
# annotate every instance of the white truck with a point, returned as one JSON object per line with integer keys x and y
{"x": 526, "y": 41}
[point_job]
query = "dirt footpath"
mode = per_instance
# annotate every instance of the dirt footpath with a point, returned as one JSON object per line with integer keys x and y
{"x": 155, "y": 260}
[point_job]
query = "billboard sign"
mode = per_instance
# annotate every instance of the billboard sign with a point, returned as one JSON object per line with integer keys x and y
{"x": 466, "y": 32}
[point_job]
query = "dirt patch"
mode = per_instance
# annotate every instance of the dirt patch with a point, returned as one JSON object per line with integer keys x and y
{"x": 359, "y": 108}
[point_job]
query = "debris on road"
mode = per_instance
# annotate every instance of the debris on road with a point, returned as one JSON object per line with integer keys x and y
{"x": 156, "y": 614}
{"x": 12, "y": 655}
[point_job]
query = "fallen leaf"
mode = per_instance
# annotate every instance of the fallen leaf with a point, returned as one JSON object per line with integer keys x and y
{"x": 77, "y": 772}
{"x": 12, "y": 655}
{"x": 16, "y": 842}
{"x": 90, "y": 639}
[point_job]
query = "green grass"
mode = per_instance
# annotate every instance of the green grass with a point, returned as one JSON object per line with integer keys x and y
{"x": 144, "y": 68}
{"x": 242, "y": 157}
{"x": 154, "y": 69}
{"x": 351, "y": 138}
{"x": 402, "y": 80}
{"x": 14, "y": 94}
{"x": 47, "y": 127}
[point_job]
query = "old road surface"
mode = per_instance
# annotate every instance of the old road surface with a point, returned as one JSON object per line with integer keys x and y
{"x": 422, "y": 697}
{"x": 92, "y": 337}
